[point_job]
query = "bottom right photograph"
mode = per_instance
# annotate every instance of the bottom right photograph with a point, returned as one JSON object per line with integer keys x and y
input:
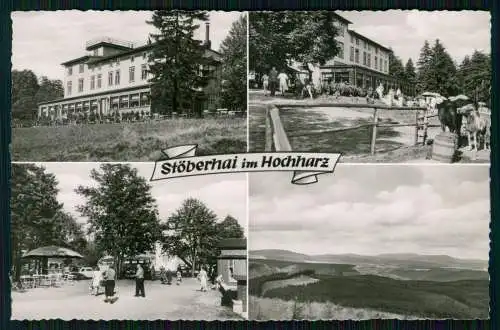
{"x": 370, "y": 242}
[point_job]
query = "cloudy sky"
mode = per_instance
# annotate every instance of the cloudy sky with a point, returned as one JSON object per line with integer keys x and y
{"x": 406, "y": 30}
{"x": 370, "y": 210}
{"x": 43, "y": 40}
{"x": 223, "y": 194}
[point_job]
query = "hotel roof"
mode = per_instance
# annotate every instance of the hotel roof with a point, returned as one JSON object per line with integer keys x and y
{"x": 369, "y": 40}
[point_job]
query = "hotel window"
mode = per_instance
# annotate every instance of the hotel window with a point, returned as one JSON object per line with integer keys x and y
{"x": 376, "y": 63}
{"x": 118, "y": 61}
{"x": 376, "y": 50}
{"x": 144, "y": 72}
{"x": 356, "y": 58}
{"x": 70, "y": 71}
{"x": 385, "y": 66}
{"x": 92, "y": 82}
{"x": 144, "y": 55}
{"x": 340, "y": 27}
{"x": 99, "y": 67}
{"x": 351, "y": 55}
{"x": 381, "y": 65}
{"x": 369, "y": 60}
{"x": 96, "y": 52}
{"x": 110, "y": 64}
{"x": 132, "y": 59}
{"x": 68, "y": 87}
{"x": 352, "y": 39}
{"x": 80, "y": 85}
{"x": 131, "y": 74}
{"x": 117, "y": 77}
{"x": 357, "y": 42}
{"x": 364, "y": 58}
{"x": 99, "y": 80}
{"x": 341, "y": 50}
{"x": 80, "y": 68}
{"x": 110, "y": 79}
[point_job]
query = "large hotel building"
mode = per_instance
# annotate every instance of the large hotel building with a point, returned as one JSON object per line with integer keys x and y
{"x": 112, "y": 77}
{"x": 361, "y": 61}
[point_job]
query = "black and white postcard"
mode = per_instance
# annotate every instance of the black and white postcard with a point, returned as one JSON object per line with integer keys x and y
{"x": 99, "y": 241}
{"x": 120, "y": 85}
{"x": 371, "y": 242}
{"x": 378, "y": 86}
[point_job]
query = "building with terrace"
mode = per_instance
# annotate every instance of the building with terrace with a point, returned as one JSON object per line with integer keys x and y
{"x": 361, "y": 61}
{"x": 112, "y": 78}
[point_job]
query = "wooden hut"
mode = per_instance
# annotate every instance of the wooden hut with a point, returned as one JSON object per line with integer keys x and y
{"x": 232, "y": 267}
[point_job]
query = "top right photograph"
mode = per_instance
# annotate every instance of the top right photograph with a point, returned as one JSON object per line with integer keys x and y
{"x": 376, "y": 86}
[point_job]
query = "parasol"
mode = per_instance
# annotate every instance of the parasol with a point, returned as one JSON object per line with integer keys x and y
{"x": 52, "y": 252}
{"x": 459, "y": 97}
{"x": 430, "y": 94}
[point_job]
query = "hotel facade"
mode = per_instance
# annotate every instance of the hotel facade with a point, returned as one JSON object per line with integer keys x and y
{"x": 113, "y": 78}
{"x": 360, "y": 61}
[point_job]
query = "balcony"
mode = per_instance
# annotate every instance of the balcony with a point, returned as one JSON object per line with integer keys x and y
{"x": 117, "y": 42}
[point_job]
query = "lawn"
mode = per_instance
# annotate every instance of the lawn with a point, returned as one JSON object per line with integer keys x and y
{"x": 127, "y": 141}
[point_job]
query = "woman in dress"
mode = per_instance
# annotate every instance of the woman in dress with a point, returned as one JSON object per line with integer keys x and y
{"x": 96, "y": 281}
{"x": 265, "y": 83}
{"x": 203, "y": 277}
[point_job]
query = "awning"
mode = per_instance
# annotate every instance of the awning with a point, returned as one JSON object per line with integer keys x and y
{"x": 135, "y": 97}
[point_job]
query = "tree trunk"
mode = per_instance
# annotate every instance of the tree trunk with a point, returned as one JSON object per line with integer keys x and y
{"x": 193, "y": 268}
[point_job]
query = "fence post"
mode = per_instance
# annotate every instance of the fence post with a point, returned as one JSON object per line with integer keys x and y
{"x": 374, "y": 131}
{"x": 416, "y": 126}
{"x": 268, "y": 132}
{"x": 426, "y": 124}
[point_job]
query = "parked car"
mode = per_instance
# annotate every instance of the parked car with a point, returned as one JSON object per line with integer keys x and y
{"x": 86, "y": 272}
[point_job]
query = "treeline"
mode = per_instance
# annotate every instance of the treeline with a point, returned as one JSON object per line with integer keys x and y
{"x": 436, "y": 71}
{"x": 28, "y": 90}
{"x": 123, "y": 219}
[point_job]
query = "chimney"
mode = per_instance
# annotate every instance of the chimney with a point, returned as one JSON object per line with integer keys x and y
{"x": 207, "y": 35}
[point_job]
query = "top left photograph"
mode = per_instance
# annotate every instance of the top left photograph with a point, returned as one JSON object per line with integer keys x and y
{"x": 124, "y": 85}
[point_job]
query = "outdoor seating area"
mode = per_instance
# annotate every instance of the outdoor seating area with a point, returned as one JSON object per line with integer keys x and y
{"x": 46, "y": 280}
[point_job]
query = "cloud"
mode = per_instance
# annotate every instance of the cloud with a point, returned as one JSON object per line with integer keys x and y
{"x": 405, "y": 31}
{"x": 376, "y": 215}
{"x": 59, "y": 36}
{"x": 223, "y": 194}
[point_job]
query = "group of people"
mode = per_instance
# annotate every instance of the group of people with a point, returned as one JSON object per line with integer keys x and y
{"x": 275, "y": 81}
{"x": 107, "y": 279}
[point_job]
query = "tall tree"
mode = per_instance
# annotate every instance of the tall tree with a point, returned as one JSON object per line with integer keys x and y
{"x": 175, "y": 60}
{"x": 229, "y": 228}
{"x": 191, "y": 233}
{"x": 424, "y": 67}
{"x": 396, "y": 68}
{"x": 410, "y": 73}
{"x": 122, "y": 213}
{"x": 24, "y": 88}
{"x": 276, "y": 38}
{"x": 34, "y": 210}
{"x": 49, "y": 90}
{"x": 475, "y": 76}
{"x": 442, "y": 75}
{"x": 234, "y": 68}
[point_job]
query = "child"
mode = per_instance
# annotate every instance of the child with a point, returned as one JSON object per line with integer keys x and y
{"x": 179, "y": 277}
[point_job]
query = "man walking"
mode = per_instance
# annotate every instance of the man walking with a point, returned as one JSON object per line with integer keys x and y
{"x": 109, "y": 276}
{"x": 139, "y": 282}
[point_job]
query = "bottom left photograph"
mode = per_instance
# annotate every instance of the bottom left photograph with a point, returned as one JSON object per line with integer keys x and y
{"x": 101, "y": 241}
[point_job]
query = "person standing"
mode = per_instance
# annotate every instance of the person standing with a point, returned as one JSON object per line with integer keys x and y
{"x": 203, "y": 277}
{"x": 265, "y": 83}
{"x": 96, "y": 281}
{"x": 273, "y": 81}
{"x": 109, "y": 276}
{"x": 283, "y": 80}
{"x": 139, "y": 282}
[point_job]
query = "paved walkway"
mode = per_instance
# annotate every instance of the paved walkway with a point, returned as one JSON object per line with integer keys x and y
{"x": 170, "y": 302}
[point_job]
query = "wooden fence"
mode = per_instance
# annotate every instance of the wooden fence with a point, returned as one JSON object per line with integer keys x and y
{"x": 278, "y": 140}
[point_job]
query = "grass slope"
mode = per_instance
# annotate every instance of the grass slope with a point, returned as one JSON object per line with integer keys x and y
{"x": 127, "y": 142}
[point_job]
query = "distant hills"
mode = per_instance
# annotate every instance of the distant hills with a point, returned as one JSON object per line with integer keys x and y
{"x": 397, "y": 259}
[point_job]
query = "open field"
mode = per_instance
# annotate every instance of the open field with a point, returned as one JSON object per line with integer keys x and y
{"x": 127, "y": 141}
{"x": 167, "y": 302}
{"x": 393, "y": 144}
{"x": 319, "y": 290}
